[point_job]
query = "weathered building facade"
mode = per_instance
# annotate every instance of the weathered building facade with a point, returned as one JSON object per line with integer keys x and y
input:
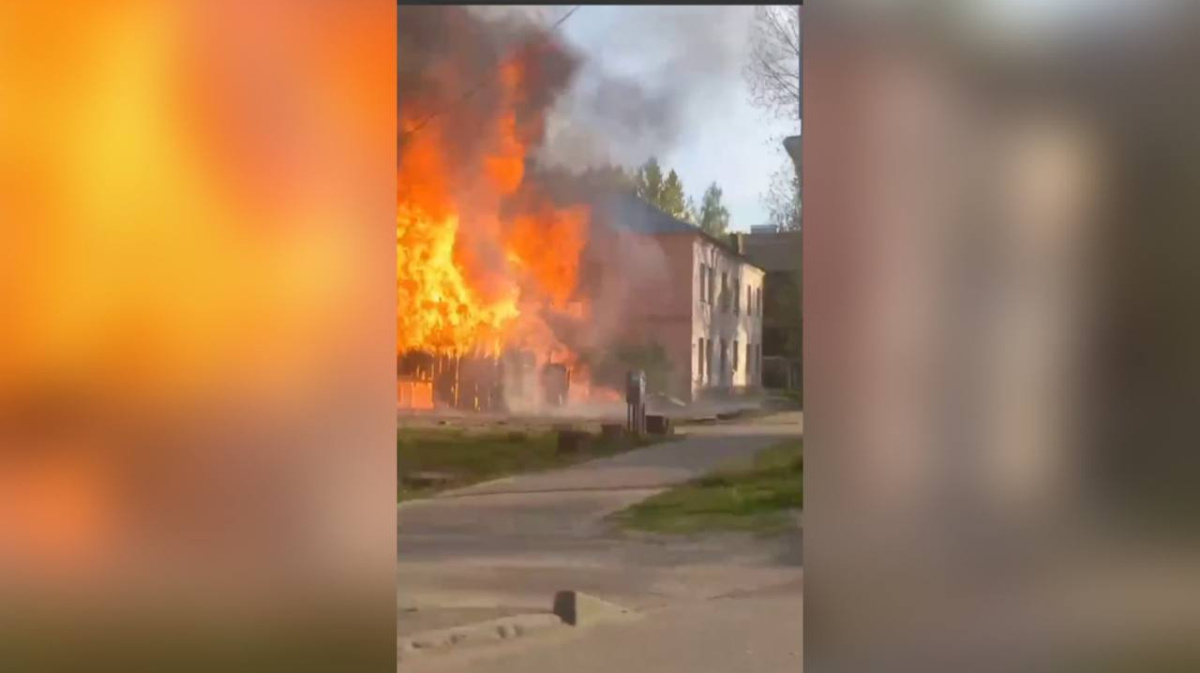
{"x": 779, "y": 254}
{"x": 705, "y": 306}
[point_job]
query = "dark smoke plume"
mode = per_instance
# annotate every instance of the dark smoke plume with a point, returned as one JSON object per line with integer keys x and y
{"x": 450, "y": 67}
{"x": 572, "y": 115}
{"x": 687, "y": 59}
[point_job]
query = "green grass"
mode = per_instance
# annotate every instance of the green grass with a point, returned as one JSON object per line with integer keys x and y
{"x": 758, "y": 498}
{"x": 473, "y": 457}
{"x": 794, "y": 396}
{"x": 779, "y": 399}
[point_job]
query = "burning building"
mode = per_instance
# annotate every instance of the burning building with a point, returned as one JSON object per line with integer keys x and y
{"x": 486, "y": 259}
{"x": 521, "y": 286}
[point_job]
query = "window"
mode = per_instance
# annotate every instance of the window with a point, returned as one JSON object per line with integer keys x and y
{"x": 700, "y": 361}
{"x": 703, "y": 283}
{"x": 735, "y": 356}
{"x": 724, "y": 291}
{"x": 759, "y": 300}
{"x": 749, "y": 300}
{"x": 724, "y": 358}
{"x": 737, "y": 296}
{"x": 751, "y": 364}
{"x": 708, "y": 360}
{"x": 756, "y": 370}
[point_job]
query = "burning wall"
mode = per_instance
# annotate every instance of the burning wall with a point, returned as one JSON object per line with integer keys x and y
{"x": 487, "y": 261}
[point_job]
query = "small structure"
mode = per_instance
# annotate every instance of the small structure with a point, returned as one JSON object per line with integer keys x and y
{"x": 659, "y": 425}
{"x": 467, "y": 382}
{"x": 612, "y": 432}
{"x": 780, "y": 255}
{"x": 572, "y": 441}
{"x": 477, "y": 382}
{"x": 635, "y": 398}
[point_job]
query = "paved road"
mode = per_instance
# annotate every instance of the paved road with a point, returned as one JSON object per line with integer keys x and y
{"x": 510, "y": 544}
{"x": 547, "y": 510}
{"x": 756, "y": 632}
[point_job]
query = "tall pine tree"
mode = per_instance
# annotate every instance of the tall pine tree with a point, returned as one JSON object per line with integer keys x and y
{"x": 673, "y": 201}
{"x": 713, "y": 216}
{"x": 667, "y": 194}
{"x": 670, "y": 197}
{"x": 648, "y": 182}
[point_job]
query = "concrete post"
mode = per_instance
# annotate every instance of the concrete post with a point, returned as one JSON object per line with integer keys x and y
{"x": 635, "y": 398}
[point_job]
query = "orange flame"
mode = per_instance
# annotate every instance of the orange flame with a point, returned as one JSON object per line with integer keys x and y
{"x": 473, "y": 276}
{"x": 185, "y": 252}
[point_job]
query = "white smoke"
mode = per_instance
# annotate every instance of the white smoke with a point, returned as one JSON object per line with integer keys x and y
{"x": 645, "y": 72}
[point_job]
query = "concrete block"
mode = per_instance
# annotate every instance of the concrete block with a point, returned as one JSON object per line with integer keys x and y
{"x": 659, "y": 425}
{"x": 572, "y": 441}
{"x": 580, "y": 609}
{"x": 612, "y": 431}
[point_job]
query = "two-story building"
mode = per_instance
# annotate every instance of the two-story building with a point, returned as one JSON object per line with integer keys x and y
{"x": 779, "y": 254}
{"x": 703, "y": 305}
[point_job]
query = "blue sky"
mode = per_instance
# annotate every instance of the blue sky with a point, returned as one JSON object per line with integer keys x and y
{"x": 720, "y": 136}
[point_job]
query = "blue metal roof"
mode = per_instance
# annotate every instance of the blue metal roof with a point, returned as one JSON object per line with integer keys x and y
{"x": 629, "y": 211}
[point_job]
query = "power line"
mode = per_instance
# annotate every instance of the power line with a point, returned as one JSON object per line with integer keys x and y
{"x": 479, "y": 86}
{"x": 564, "y": 18}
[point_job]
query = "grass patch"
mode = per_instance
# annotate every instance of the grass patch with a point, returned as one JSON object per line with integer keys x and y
{"x": 758, "y": 498}
{"x": 466, "y": 458}
{"x": 781, "y": 399}
{"x": 794, "y": 396}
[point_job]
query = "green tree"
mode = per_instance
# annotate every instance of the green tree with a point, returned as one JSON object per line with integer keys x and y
{"x": 692, "y": 214}
{"x": 713, "y": 216}
{"x": 648, "y": 182}
{"x": 665, "y": 193}
{"x": 608, "y": 366}
{"x": 673, "y": 201}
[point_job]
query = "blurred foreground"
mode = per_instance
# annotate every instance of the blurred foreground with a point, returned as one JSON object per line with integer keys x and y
{"x": 197, "y": 208}
{"x": 1002, "y": 365}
